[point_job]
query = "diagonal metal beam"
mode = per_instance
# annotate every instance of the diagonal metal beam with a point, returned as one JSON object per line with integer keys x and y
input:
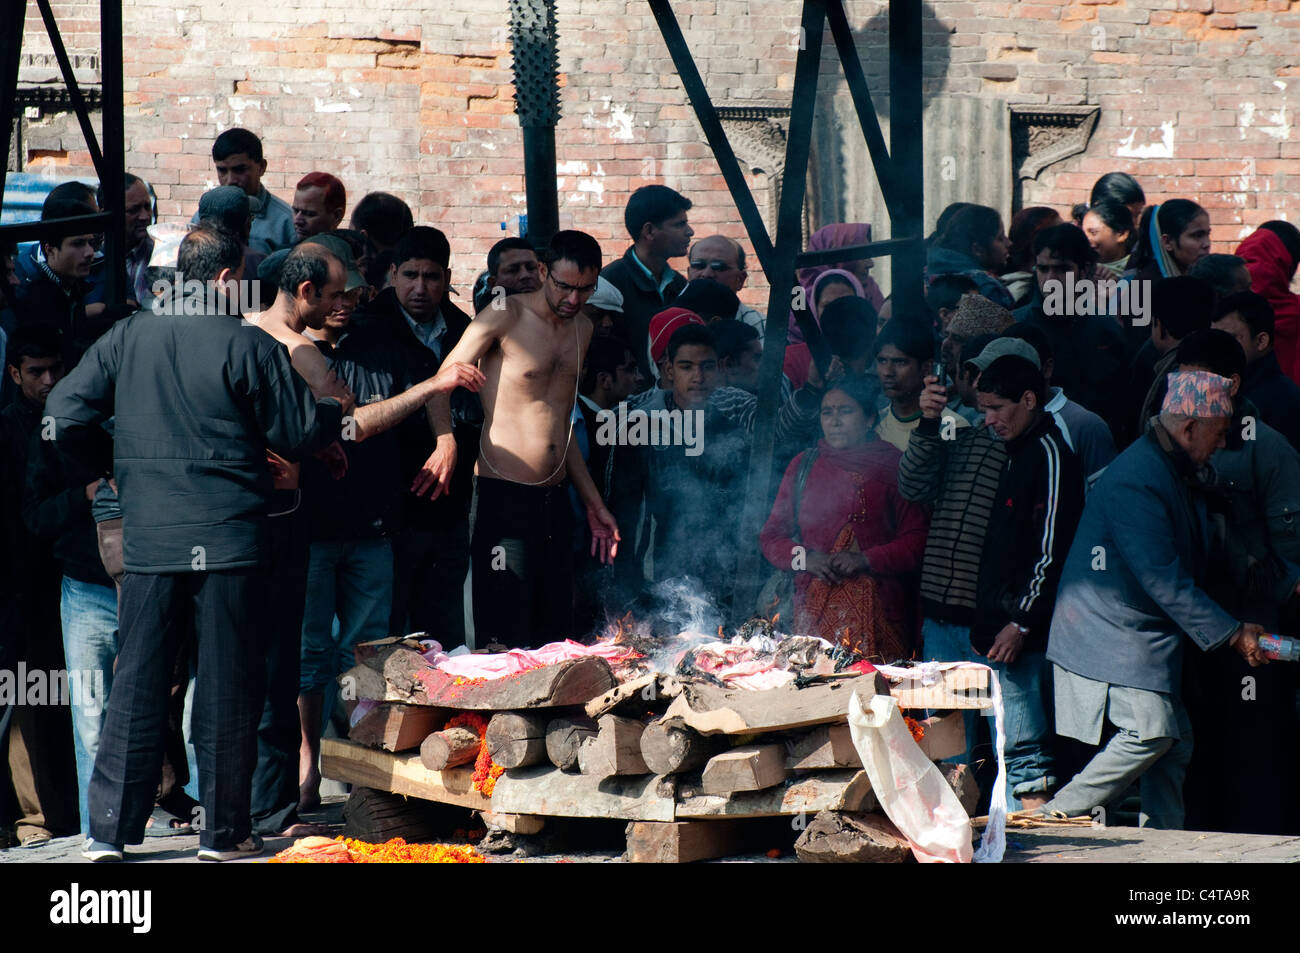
{"x": 789, "y": 239}
{"x": 74, "y": 91}
{"x": 856, "y": 79}
{"x": 707, "y": 116}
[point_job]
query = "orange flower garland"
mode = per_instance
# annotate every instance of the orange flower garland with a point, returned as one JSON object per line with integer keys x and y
{"x": 486, "y": 771}
{"x": 312, "y": 850}
{"x": 915, "y": 727}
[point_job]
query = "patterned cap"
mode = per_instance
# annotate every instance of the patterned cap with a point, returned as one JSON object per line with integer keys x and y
{"x": 1198, "y": 394}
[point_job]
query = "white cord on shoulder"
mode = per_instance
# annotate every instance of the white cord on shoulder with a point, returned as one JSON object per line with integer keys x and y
{"x": 577, "y": 347}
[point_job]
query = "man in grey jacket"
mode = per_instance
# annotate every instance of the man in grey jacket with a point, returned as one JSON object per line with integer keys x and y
{"x": 197, "y": 400}
{"x": 1130, "y": 592}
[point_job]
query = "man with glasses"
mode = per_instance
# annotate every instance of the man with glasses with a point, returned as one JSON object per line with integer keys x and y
{"x": 723, "y": 260}
{"x": 531, "y": 352}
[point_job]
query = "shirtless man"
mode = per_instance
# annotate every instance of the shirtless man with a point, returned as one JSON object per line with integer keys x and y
{"x": 314, "y": 281}
{"x": 531, "y": 352}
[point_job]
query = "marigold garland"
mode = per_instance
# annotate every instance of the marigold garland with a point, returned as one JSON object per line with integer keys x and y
{"x": 486, "y": 771}
{"x": 915, "y": 727}
{"x": 312, "y": 850}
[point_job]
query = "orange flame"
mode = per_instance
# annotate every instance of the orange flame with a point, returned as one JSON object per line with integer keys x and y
{"x": 721, "y": 637}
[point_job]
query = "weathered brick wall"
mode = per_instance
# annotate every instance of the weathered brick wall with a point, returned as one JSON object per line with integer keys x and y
{"x": 1195, "y": 98}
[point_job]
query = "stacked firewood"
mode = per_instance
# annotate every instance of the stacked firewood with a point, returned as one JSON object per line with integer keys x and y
{"x": 680, "y": 759}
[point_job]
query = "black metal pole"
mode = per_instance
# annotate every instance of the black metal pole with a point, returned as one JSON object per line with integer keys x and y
{"x": 789, "y": 238}
{"x": 114, "y": 141}
{"x": 539, "y": 184}
{"x": 537, "y": 102}
{"x": 905, "y": 140}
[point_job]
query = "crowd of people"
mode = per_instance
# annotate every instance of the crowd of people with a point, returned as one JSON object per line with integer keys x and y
{"x": 1077, "y": 465}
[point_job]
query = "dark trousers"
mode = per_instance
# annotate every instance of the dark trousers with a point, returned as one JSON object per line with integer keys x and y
{"x": 429, "y": 567}
{"x": 279, "y": 733}
{"x": 522, "y": 553}
{"x": 225, "y": 610}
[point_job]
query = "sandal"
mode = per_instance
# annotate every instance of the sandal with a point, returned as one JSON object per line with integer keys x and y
{"x": 163, "y": 824}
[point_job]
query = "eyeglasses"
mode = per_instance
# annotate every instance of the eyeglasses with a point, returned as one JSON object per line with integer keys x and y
{"x": 570, "y": 289}
{"x": 715, "y": 266}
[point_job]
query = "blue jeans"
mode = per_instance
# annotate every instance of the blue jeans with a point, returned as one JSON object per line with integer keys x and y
{"x": 1027, "y": 701}
{"x": 90, "y": 645}
{"x": 355, "y": 581}
{"x": 943, "y": 642}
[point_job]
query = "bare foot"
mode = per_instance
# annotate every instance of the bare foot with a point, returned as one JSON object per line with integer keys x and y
{"x": 303, "y": 829}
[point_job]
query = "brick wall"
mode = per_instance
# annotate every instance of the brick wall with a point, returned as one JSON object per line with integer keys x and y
{"x": 1195, "y": 95}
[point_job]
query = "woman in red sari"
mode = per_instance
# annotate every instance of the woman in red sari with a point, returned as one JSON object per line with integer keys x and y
{"x": 857, "y": 541}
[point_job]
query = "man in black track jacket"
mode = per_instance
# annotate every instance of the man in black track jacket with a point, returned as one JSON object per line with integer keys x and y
{"x": 1037, "y": 507}
{"x": 198, "y": 399}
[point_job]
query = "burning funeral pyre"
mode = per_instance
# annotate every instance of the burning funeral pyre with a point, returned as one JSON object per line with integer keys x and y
{"x": 652, "y": 723}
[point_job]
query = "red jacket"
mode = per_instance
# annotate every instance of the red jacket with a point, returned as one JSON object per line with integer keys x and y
{"x": 1271, "y": 269}
{"x": 890, "y": 530}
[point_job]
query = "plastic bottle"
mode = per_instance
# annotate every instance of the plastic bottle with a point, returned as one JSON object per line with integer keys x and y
{"x": 1280, "y": 647}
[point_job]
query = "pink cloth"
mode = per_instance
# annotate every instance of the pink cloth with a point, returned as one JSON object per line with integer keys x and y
{"x": 504, "y": 664}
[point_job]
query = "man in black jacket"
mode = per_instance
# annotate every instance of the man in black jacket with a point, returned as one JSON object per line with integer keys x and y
{"x": 1248, "y": 317}
{"x": 55, "y": 295}
{"x": 431, "y": 552}
{"x": 1038, "y": 504}
{"x": 1088, "y": 348}
{"x": 39, "y": 739}
{"x": 197, "y": 401}
{"x": 656, "y": 219}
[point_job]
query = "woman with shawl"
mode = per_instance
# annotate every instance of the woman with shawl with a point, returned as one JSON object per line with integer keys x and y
{"x": 847, "y": 532}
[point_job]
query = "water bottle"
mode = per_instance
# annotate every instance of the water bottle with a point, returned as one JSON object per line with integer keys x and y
{"x": 1280, "y": 647}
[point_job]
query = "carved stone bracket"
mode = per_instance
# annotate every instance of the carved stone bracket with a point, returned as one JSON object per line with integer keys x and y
{"x": 757, "y": 133}
{"x": 1042, "y": 135}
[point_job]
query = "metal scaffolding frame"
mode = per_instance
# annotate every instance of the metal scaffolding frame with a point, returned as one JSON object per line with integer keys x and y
{"x": 898, "y": 170}
{"x": 106, "y": 151}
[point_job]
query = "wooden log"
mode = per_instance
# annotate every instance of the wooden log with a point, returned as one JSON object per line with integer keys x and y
{"x": 945, "y": 736}
{"x": 514, "y": 823}
{"x": 448, "y": 748}
{"x": 550, "y": 792}
{"x": 615, "y": 750}
{"x": 747, "y": 768}
{"x": 827, "y": 746}
{"x": 516, "y": 739}
{"x": 710, "y": 709}
{"x": 637, "y": 697}
{"x": 399, "y": 774}
{"x": 682, "y": 842}
{"x": 564, "y": 736}
{"x": 670, "y": 749}
{"x": 574, "y": 682}
{"x": 830, "y": 791}
{"x": 838, "y": 837}
{"x": 963, "y": 688}
{"x": 396, "y": 727}
{"x": 361, "y": 681}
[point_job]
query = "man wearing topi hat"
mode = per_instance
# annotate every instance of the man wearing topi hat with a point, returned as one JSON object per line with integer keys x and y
{"x": 1130, "y": 595}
